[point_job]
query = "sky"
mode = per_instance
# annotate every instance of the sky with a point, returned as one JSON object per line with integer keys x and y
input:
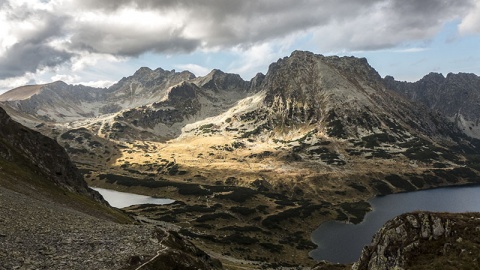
{"x": 97, "y": 42}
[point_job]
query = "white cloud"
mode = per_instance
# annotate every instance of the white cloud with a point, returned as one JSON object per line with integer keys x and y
{"x": 11, "y": 83}
{"x": 65, "y": 78}
{"x": 80, "y": 34}
{"x": 99, "y": 84}
{"x": 253, "y": 59}
{"x": 411, "y": 50}
{"x": 195, "y": 69}
{"x": 85, "y": 60}
{"x": 471, "y": 23}
{"x": 387, "y": 24}
{"x": 131, "y": 32}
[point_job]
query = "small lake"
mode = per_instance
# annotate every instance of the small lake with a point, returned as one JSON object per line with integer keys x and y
{"x": 124, "y": 199}
{"x": 342, "y": 243}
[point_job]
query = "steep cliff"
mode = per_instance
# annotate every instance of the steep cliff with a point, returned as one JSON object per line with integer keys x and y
{"x": 42, "y": 155}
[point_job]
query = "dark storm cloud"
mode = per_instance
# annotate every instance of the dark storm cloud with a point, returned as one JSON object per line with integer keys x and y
{"x": 29, "y": 57}
{"x": 250, "y": 21}
{"x": 413, "y": 14}
{"x": 247, "y": 22}
{"x": 116, "y": 41}
{"x": 178, "y": 26}
{"x": 33, "y": 51}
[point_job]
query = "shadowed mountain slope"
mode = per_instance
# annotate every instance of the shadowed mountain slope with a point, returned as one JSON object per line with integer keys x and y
{"x": 51, "y": 219}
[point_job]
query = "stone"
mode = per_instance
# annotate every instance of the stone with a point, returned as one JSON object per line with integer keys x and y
{"x": 400, "y": 238}
{"x": 413, "y": 221}
{"x": 437, "y": 228}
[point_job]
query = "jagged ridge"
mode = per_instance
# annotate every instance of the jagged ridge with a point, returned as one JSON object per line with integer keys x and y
{"x": 457, "y": 96}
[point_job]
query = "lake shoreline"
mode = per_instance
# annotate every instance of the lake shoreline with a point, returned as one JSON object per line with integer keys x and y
{"x": 340, "y": 229}
{"x": 121, "y": 199}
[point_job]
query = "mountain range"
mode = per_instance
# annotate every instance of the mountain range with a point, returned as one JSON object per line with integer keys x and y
{"x": 309, "y": 111}
{"x": 456, "y": 96}
{"x": 311, "y": 140}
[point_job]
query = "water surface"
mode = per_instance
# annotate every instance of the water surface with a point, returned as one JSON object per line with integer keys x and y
{"x": 124, "y": 199}
{"x": 342, "y": 243}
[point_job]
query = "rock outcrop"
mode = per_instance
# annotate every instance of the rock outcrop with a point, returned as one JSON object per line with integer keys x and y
{"x": 425, "y": 240}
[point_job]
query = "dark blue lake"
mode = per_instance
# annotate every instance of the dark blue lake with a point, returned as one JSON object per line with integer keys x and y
{"x": 342, "y": 243}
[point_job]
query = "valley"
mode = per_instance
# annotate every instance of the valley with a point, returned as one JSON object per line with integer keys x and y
{"x": 253, "y": 166}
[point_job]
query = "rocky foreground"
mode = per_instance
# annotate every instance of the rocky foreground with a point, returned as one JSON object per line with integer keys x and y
{"x": 36, "y": 234}
{"x": 43, "y": 235}
{"x": 50, "y": 219}
{"x": 425, "y": 241}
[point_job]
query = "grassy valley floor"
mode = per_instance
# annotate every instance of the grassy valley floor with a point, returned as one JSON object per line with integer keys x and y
{"x": 260, "y": 200}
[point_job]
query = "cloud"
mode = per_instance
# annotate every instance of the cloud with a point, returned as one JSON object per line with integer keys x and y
{"x": 471, "y": 23}
{"x": 98, "y": 84}
{"x": 355, "y": 24}
{"x": 10, "y": 83}
{"x": 258, "y": 57}
{"x": 26, "y": 57}
{"x": 387, "y": 24}
{"x": 41, "y": 34}
{"x": 65, "y": 78}
{"x": 26, "y": 44}
{"x": 411, "y": 50}
{"x": 84, "y": 60}
{"x": 130, "y": 32}
{"x": 195, "y": 69}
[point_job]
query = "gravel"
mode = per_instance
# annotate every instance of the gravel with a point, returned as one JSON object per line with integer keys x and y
{"x": 38, "y": 234}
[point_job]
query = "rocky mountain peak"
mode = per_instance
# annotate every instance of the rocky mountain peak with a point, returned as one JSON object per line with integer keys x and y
{"x": 434, "y": 76}
{"x": 306, "y": 88}
{"x": 182, "y": 91}
{"x": 462, "y": 76}
{"x": 257, "y": 81}
{"x": 150, "y": 77}
{"x": 57, "y": 84}
{"x": 142, "y": 72}
{"x": 218, "y": 80}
